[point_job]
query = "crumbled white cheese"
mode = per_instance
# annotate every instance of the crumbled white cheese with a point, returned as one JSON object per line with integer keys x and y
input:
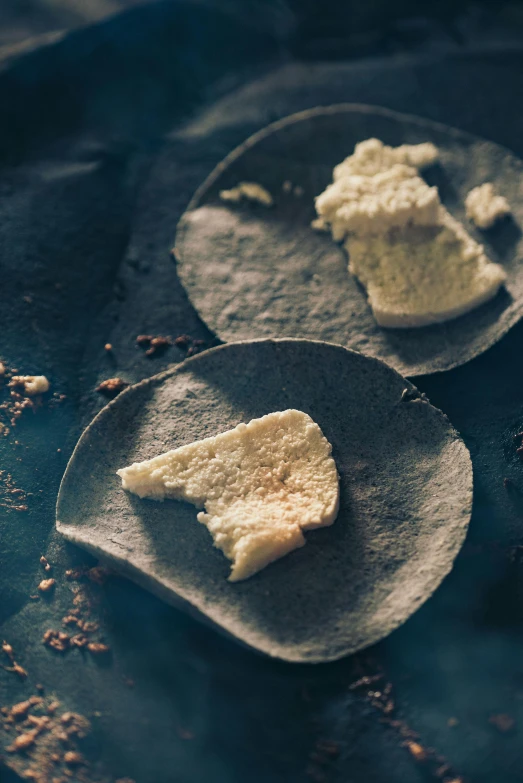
{"x": 33, "y": 384}
{"x": 261, "y": 484}
{"x": 362, "y": 205}
{"x": 484, "y": 207}
{"x": 372, "y": 157}
{"x": 417, "y": 263}
{"x": 250, "y": 191}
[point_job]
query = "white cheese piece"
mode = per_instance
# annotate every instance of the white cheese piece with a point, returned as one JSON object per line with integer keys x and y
{"x": 250, "y": 191}
{"x": 260, "y": 485}
{"x": 417, "y": 263}
{"x": 419, "y": 276}
{"x": 484, "y": 207}
{"x": 33, "y": 384}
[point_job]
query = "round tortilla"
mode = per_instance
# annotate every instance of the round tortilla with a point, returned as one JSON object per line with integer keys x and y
{"x": 255, "y": 272}
{"x": 405, "y": 484}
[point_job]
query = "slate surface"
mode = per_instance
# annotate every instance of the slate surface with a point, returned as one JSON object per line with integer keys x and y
{"x": 92, "y": 228}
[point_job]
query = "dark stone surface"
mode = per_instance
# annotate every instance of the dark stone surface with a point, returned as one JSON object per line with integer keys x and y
{"x": 250, "y": 718}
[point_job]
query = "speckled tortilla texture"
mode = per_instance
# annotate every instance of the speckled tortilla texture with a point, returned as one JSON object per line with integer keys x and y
{"x": 405, "y": 497}
{"x": 255, "y": 273}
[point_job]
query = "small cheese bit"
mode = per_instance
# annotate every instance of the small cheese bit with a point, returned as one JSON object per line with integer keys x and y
{"x": 32, "y": 384}
{"x": 260, "y": 485}
{"x": 418, "y": 264}
{"x": 250, "y": 191}
{"x": 484, "y": 207}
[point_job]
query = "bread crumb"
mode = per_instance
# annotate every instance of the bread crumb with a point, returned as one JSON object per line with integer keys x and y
{"x": 112, "y": 387}
{"x": 31, "y": 384}
{"x": 73, "y": 758}
{"x": 22, "y": 742}
{"x": 287, "y": 186}
{"x": 79, "y": 640}
{"x": 154, "y": 344}
{"x": 417, "y": 751}
{"x": 56, "y": 640}
{"x": 46, "y": 565}
{"x": 46, "y": 585}
{"x": 97, "y": 648}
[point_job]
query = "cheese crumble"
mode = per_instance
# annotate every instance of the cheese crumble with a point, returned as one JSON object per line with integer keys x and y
{"x": 248, "y": 191}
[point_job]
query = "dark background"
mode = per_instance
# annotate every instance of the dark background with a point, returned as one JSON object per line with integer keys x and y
{"x": 111, "y": 115}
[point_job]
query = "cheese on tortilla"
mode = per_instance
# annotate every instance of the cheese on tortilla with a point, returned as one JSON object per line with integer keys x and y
{"x": 418, "y": 264}
{"x": 260, "y": 485}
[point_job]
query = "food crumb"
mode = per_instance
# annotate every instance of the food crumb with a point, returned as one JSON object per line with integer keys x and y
{"x": 22, "y": 742}
{"x": 329, "y": 747}
{"x": 56, "y": 640}
{"x": 79, "y": 640}
{"x": 97, "y": 648}
{"x": 46, "y": 585}
{"x": 287, "y": 186}
{"x": 31, "y": 384}
{"x": 111, "y": 387}
{"x": 452, "y": 722}
{"x": 417, "y": 751}
{"x": 298, "y": 191}
{"x": 248, "y": 191}
{"x": 186, "y": 343}
{"x": 503, "y": 722}
{"x": 73, "y": 758}
{"x": 15, "y": 667}
{"x": 21, "y": 709}
{"x": 44, "y": 562}
{"x": 108, "y": 347}
{"x": 154, "y": 344}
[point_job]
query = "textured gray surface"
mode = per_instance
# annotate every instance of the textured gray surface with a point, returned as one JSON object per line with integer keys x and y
{"x": 255, "y": 272}
{"x": 405, "y": 482}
